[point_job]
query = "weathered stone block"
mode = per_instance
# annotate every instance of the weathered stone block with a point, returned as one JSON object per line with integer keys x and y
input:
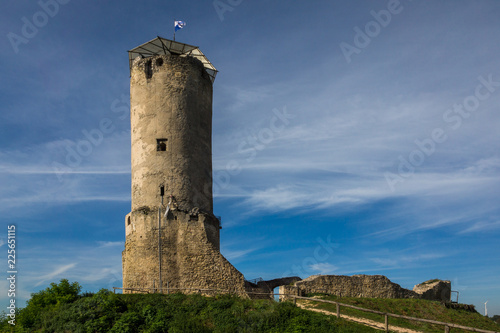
{"x": 436, "y": 290}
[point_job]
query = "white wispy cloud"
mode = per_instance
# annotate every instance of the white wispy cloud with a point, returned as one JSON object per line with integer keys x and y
{"x": 237, "y": 254}
{"x": 397, "y": 261}
{"x": 32, "y": 178}
{"x": 58, "y": 271}
{"x": 360, "y": 145}
{"x": 110, "y": 244}
{"x": 93, "y": 266}
{"x": 481, "y": 227}
{"x": 324, "y": 268}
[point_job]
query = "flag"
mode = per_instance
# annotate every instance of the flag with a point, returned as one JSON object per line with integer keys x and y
{"x": 179, "y": 25}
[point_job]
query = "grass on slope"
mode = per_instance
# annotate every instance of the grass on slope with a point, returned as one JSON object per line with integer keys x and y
{"x": 61, "y": 308}
{"x": 412, "y": 308}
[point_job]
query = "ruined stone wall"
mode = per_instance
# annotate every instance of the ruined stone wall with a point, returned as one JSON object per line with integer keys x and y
{"x": 367, "y": 286}
{"x": 269, "y": 285}
{"x": 371, "y": 286}
{"x": 286, "y": 290}
{"x": 434, "y": 290}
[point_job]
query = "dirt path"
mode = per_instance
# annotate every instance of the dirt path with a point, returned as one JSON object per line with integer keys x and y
{"x": 363, "y": 321}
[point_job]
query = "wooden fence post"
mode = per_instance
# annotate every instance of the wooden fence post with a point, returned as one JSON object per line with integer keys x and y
{"x": 295, "y": 301}
{"x": 338, "y": 310}
{"x": 446, "y": 329}
{"x": 386, "y": 323}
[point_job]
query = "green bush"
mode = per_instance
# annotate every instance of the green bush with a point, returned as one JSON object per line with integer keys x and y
{"x": 48, "y": 300}
{"x": 129, "y": 322}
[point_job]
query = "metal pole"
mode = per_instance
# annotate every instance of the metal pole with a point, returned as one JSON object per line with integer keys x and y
{"x": 160, "y": 285}
{"x": 159, "y": 249}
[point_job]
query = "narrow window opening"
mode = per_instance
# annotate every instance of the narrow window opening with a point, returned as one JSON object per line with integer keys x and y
{"x": 148, "y": 69}
{"x": 161, "y": 144}
{"x": 128, "y": 220}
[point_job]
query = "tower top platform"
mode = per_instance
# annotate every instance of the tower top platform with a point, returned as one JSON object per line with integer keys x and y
{"x": 162, "y": 46}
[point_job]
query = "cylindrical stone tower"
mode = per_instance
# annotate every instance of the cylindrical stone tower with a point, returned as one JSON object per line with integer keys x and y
{"x": 171, "y": 120}
{"x": 172, "y": 241}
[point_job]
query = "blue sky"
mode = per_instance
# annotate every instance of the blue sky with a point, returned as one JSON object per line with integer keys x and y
{"x": 349, "y": 137}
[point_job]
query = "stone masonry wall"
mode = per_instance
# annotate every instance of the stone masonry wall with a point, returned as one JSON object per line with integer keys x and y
{"x": 368, "y": 286}
{"x": 189, "y": 258}
{"x": 372, "y": 286}
{"x": 174, "y": 103}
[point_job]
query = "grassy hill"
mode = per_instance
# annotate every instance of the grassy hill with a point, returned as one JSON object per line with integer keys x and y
{"x": 61, "y": 308}
{"x": 408, "y": 307}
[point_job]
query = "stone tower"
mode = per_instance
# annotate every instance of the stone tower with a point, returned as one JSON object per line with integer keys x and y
{"x": 172, "y": 236}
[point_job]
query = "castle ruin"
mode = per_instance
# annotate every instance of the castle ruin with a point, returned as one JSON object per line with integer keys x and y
{"x": 172, "y": 236}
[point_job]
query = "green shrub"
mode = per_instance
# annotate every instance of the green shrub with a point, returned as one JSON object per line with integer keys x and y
{"x": 48, "y": 300}
{"x": 128, "y": 323}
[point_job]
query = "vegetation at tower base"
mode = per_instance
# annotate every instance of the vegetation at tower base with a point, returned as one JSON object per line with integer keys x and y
{"x": 61, "y": 308}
